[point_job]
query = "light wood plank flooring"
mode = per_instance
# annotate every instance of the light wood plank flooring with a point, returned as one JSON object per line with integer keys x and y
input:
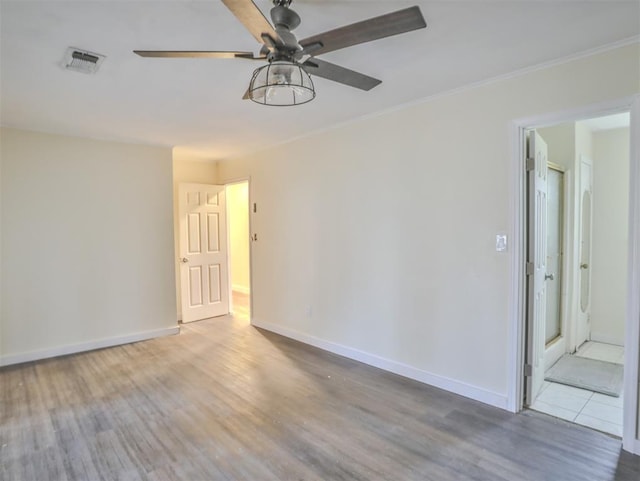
{"x": 226, "y": 401}
{"x": 241, "y": 305}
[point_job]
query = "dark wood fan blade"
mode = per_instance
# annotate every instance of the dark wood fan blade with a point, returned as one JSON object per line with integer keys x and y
{"x": 383, "y": 26}
{"x": 195, "y": 54}
{"x": 252, "y": 18}
{"x": 330, "y": 71}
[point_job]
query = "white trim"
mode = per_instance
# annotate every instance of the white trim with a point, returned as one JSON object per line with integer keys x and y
{"x": 517, "y": 300}
{"x": 86, "y": 346}
{"x": 451, "y": 385}
{"x": 630, "y": 436}
{"x": 569, "y": 258}
{"x": 633, "y": 446}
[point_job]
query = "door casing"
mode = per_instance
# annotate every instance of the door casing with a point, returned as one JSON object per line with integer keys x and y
{"x": 517, "y": 294}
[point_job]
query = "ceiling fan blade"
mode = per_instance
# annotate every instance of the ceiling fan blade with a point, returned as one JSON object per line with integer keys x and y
{"x": 383, "y": 26}
{"x": 330, "y": 71}
{"x": 195, "y": 54}
{"x": 252, "y": 18}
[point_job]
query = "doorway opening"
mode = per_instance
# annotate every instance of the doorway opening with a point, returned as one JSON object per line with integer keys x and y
{"x": 521, "y": 367}
{"x": 237, "y": 194}
{"x": 577, "y": 254}
{"x": 213, "y": 251}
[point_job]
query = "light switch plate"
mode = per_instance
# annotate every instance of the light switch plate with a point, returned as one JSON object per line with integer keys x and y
{"x": 501, "y": 242}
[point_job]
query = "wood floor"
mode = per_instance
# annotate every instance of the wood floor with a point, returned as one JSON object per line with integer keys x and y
{"x": 226, "y": 401}
{"x": 241, "y": 303}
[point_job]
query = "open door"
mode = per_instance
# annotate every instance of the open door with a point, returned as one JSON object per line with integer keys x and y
{"x": 536, "y": 265}
{"x": 203, "y": 251}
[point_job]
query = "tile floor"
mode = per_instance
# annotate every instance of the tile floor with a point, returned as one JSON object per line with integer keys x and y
{"x": 581, "y": 406}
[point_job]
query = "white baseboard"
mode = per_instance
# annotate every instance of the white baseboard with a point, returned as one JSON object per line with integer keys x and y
{"x": 451, "y": 385}
{"x": 607, "y": 338}
{"x": 86, "y": 346}
{"x": 240, "y": 289}
{"x": 633, "y": 446}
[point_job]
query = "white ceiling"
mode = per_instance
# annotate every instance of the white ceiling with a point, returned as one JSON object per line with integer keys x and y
{"x": 195, "y": 104}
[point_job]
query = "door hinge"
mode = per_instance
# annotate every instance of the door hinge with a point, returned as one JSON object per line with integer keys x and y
{"x": 528, "y": 370}
{"x": 530, "y": 164}
{"x": 530, "y": 268}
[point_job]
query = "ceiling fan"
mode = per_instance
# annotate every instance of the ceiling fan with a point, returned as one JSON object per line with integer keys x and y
{"x": 285, "y": 80}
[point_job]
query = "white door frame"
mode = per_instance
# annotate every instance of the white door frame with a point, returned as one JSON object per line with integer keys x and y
{"x": 240, "y": 180}
{"x": 517, "y": 294}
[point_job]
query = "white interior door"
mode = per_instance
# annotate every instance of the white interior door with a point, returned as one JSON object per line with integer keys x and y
{"x": 204, "y": 278}
{"x": 536, "y": 265}
{"x": 583, "y": 325}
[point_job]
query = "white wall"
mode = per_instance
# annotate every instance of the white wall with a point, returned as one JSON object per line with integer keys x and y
{"x": 376, "y": 238}
{"x": 86, "y": 244}
{"x": 560, "y": 140}
{"x": 610, "y": 235}
{"x": 193, "y": 172}
{"x": 238, "y": 221}
{"x": 584, "y": 141}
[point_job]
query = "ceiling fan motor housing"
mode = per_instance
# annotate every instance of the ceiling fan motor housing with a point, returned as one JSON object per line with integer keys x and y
{"x": 285, "y": 17}
{"x": 285, "y": 20}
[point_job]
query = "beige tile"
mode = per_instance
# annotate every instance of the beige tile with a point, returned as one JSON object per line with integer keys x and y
{"x": 557, "y": 388}
{"x": 599, "y": 424}
{"x": 563, "y": 400}
{"x": 601, "y": 352}
{"x": 554, "y": 410}
{"x": 604, "y": 412}
{"x": 609, "y": 400}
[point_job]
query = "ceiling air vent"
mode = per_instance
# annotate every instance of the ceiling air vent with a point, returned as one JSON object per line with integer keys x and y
{"x": 82, "y": 60}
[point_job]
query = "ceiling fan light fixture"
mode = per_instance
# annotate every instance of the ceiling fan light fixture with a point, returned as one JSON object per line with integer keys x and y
{"x": 281, "y": 83}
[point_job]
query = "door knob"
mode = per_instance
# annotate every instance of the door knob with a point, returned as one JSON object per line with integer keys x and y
{"x": 584, "y": 266}
{"x": 184, "y": 260}
{"x": 548, "y": 277}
